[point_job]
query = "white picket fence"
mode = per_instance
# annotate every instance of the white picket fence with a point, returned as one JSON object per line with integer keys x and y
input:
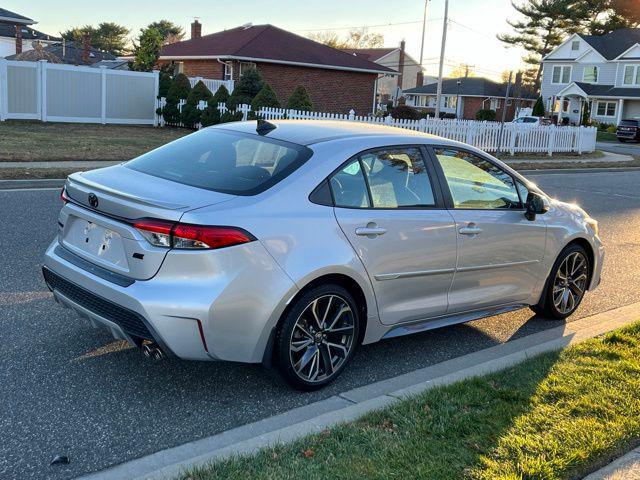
{"x": 489, "y": 136}
{"x": 67, "y": 93}
{"x": 212, "y": 84}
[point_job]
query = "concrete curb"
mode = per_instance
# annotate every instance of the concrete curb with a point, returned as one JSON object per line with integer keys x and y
{"x": 354, "y": 403}
{"x": 544, "y": 171}
{"x": 32, "y": 184}
{"x": 626, "y": 467}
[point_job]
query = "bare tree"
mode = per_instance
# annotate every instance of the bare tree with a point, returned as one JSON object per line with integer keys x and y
{"x": 358, "y": 38}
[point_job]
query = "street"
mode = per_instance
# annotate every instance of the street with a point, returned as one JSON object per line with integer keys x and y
{"x": 629, "y": 148}
{"x": 70, "y": 390}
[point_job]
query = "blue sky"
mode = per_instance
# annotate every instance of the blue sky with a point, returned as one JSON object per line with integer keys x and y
{"x": 471, "y": 36}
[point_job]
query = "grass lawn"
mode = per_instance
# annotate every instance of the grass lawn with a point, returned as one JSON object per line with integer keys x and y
{"x": 606, "y": 137}
{"x": 36, "y": 141}
{"x": 556, "y": 416}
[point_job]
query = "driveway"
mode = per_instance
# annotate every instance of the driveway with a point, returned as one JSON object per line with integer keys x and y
{"x": 71, "y": 390}
{"x": 627, "y": 148}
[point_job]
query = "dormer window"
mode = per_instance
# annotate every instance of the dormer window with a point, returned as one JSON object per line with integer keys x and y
{"x": 590, "y": 74}
{"x": 575, "y": 45}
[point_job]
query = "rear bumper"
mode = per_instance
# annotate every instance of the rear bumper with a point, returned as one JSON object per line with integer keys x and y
{"x": 189, "y": 309}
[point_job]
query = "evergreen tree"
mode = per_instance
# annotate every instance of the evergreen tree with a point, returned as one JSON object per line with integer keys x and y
{"x": 191, "y": 114}
{"x": 179, "y": 89}
{"x": 300, "y": 100}
{"x": 107, "y": 36}
{"x": 246, "y": 88}
{"x": 266, "y": 97}
{"x": 170, "y": 31}
{"x": 211, "y": 114}
{"x": 538, "y": 108}
{"x": 164, "y": 83}
{"x": 148, "y": 50}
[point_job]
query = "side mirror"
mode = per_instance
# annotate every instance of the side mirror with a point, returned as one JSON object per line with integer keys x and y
{"x": 535, "y": 205}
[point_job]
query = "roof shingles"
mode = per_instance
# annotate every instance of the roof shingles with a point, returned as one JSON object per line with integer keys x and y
{"x": 270, "y": 43}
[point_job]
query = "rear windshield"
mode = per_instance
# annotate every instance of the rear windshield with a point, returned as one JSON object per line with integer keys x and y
{"x": 224, "y": 161}
{"x": 629, "y": 123}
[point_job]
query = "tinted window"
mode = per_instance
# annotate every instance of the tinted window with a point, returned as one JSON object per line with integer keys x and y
{"x": 397, "y": 177}
{"x": 475, "y": 182}
{"x": 530, "y": 120}
{"x": 629, "y": 123}
{"x": 349, "y": 187}
{"x": 224, "y": 161}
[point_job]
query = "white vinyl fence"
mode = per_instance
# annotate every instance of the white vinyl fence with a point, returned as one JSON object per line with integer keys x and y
{"x": 509, "y": 137}
{"x": 66, "y": 93}
{"x": 212, "y": 84}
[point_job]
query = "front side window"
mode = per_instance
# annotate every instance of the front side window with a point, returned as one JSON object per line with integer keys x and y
{"x": 606, "y": 109}
{"x": 590, "y": 74}
{"x": 561, "y": 74}
{"x": 384, "y": 178}
{"x": 223, "y": 161}
{"x": 476, "y": 183}
{"x": 631, "y": 75}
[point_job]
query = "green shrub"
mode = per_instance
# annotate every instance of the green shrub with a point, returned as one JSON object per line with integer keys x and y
{"x": 300, "y": 100}
{"x": 405, "y": 112}
{"x": 178, "y": 90}
{"x": 211, "y": 114}
{"x": 246, "y": 89}
{"x": 538, "y": 108}
{"x": 266, "y": 98}
{"x": 612, "y": 129}
{"x": 230, "y": 117}
{"x": 486, "y": 114}
{"x": 190, "y": 113}
{"x": 164, "y": 83}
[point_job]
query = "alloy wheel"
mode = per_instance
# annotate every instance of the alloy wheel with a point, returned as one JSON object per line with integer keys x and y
{"x": 570, "y": 282}
{"x": 322, "y": 338}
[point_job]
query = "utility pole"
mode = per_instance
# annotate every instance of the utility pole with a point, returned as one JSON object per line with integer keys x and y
{"x": 424, "y": 27}
{"x": 504, "y": 113}
{"x": 442, "y": 48}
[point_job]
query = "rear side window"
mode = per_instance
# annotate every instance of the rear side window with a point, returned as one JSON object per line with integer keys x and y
{"x": 349, "y": 187}
{"x": 224, "y": 161}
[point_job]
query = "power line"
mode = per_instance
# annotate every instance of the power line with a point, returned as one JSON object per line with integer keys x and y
{"x": 365, "y": 26}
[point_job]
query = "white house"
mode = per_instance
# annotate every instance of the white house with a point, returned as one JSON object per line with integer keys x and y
{"x": 16, "y": 35}
{"x": 594, "y": 75}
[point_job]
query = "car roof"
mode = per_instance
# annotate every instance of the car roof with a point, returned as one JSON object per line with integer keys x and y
{"x": 308, "y": 132}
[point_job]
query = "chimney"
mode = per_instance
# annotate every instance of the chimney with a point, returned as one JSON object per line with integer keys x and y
{"x": 86, "y": 45}
{"x": 196, "y": 29}
{"x": 419, "y": 79}
{"x": 401, "y": 64}
{"x": 18, "y": 39}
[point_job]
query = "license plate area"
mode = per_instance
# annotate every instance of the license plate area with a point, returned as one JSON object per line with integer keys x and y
{"x": 95, "y": 242}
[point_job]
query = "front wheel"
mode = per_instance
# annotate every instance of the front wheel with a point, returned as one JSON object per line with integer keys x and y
{"x": 317, "y": 337}
{"x": 566, "y": 285}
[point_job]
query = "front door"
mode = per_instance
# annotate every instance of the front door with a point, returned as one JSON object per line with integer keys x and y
{"x": 500, "y": 252}
{"x": 388, "y": 208}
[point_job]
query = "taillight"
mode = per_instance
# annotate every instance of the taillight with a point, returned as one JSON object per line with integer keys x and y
{"x": 163, "y": 233}
{"x": 63, "y": 195}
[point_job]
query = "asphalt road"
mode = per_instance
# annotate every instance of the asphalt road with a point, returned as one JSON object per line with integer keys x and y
{"x": 68, "y": 389}
{"x": 627, "y": 148}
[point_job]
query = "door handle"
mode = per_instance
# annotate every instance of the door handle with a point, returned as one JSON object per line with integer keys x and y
{"x": 372, "y": 230}
{"x": 470, "y": 229}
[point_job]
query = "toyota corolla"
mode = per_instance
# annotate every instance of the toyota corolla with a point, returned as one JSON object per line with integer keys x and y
{"x": 294, "y": 242}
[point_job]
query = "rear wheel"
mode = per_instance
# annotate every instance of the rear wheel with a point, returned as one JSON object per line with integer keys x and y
{"x": 318, "y": 337}
{"x": 566, "y": 285}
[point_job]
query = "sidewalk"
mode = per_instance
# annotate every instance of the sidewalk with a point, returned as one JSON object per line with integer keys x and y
{"x": 66, "y": 164}
{"x": 608, "y": 157}
{"x": 626, "y": 467}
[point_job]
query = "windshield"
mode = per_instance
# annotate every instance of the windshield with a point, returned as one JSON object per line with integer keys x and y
{"x": 224, "y": 161}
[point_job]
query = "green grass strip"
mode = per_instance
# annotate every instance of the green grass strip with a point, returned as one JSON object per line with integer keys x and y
{"x": 556, "y": 416}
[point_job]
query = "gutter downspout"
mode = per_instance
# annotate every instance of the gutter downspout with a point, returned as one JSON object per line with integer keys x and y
{"x": 226, "y": 64}
{"x": 375, "y": 95}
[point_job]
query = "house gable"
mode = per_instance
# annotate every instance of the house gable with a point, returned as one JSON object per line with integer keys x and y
{"x": 633, "y": 53}
{"x": 565, "y": 51}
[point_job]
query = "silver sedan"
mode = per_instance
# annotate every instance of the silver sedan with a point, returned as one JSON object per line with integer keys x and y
{"x": 294, "y": 242}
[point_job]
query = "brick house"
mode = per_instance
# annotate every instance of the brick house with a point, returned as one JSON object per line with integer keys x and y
{"x": 17, "y": 36}
{"x": 463, "y": 97}
{"x": 336, "y": 81}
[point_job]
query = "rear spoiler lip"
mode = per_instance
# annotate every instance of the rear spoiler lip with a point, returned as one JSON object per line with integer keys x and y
{"x": 78, "y": 180}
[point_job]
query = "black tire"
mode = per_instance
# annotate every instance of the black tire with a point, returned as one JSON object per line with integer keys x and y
{"x": 329, "y": 345}
{"x": 548, "y": 305}
{"x": 622, "y": 140}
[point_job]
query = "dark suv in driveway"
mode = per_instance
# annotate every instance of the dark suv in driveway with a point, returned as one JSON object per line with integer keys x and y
{"x": 628, "y": 130}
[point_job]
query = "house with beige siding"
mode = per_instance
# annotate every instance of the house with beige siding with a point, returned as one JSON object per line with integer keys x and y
{"x": 594, "y": 76}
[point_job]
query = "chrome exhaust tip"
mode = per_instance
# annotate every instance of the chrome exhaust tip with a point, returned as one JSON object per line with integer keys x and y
{"x": 153, "y": 351}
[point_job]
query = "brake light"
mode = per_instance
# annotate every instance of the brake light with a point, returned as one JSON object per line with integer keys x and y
{"x": 63, "y": 195}
{"x": 163, "y": 233}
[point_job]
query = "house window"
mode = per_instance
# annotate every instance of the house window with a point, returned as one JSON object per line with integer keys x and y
{"x": 450, "y": 102}
{"x": 561, "y": 74}
{"x": 590, "y": 74}
{"x": 606, "y": 109}
{"x": 575, "y": 45}
{"x": 432, "y": 102}
{"x": 631, "y": 75}
{"x": 495, "y": 104}
{"x": 244, "y": 66}
{"x": 228, "y": 71}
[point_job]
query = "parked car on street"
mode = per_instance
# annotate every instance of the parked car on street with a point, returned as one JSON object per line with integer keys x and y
{"x": 296, "y": 241}
{"x": 628, "y": 130}
{"x": 531, "y": 120}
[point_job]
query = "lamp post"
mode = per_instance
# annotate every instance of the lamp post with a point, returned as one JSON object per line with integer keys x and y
{"x": 458, "y": 83}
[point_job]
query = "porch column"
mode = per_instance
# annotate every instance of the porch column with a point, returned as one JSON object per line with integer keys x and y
{"x": 620, "y": 108}
{"x": 560, "y": 107}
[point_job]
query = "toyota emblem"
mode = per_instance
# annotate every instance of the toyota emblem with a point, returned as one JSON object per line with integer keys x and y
{"x": 93, "y": 200}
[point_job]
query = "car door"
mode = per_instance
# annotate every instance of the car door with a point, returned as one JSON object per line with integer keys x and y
{"x": 389, "y": 206}
{"x": 500, "y": 252}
